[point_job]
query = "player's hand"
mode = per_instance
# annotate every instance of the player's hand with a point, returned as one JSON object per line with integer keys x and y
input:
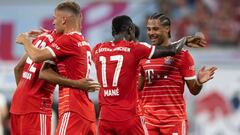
{"x": 35, "y": 33}
{"x": 21, "y": 38}
{"x": 196, "y": 42}
{"x": 87, "y": 84}
{"x": 205, "y": 75}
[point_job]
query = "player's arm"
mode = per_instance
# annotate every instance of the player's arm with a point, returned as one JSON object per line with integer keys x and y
{"x": 141, "y": 82}
{"x": 37, "y": 32}
{"x": 18, "y": 69}
{"x": 37, "y": 55}
{"x": 203, "y": 76}
{"x": 141, "y": 77}
{"x": 49, "y": 74}
{"x": 176, "y": 47}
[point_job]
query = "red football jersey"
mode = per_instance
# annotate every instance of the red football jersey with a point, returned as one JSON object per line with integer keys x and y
{"x": 116, "y": 66}
{"x": 33, "y": 94}
{"x": 162, "y": 96}
{"x": 73, "y": 56}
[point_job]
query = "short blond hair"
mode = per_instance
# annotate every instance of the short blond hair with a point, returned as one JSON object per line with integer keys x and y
{"x": 70, "y": 6}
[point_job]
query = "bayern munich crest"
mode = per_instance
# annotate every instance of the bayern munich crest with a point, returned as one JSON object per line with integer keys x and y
{"x": 168, "y": 60}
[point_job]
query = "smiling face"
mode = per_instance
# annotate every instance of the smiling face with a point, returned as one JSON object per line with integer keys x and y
{"x": 157, "y": 33}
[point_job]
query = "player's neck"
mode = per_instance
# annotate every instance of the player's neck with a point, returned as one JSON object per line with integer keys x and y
{"x": 119, "y": 37}
{"x": 72, "y": 28}
{"x": 166, "y": 43}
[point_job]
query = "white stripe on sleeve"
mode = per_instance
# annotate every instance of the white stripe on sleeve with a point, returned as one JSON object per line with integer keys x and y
{"x": 190, "y": 78}
{"x": 51, "y": 51}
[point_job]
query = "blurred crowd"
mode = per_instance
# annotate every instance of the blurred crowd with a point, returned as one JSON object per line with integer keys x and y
{"x": 218, "y": 19}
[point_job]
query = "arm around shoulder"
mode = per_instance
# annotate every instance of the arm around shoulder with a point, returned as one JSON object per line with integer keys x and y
{"x": 36, "y": 54}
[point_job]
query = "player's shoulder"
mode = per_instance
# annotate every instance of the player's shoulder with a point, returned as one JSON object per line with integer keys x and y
{"x": 104, "y": 44}
{"x": 69, "y": 38}
{"x": 72, "y": 36}
{"x": 137, "y": 44}
{"x": 144, "y": 61}
{"x": 63, "y": 39}
{"x": 75, "y": 35}
{"x": 55, "y": 35}
{"x": 183, "y": 54}
{"x": 45, "y": 36}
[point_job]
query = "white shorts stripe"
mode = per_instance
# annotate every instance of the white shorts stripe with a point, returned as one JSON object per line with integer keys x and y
{"x": 65, "y": 127}
{"x": 64, "y": 123}
{"x": 144, "y": 125}
{"x": 43, "y": 124}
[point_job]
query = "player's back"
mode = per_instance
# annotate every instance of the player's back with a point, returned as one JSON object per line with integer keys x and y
{"x": 116, "y": 65}
{"x": 73, "y": 57}
{"x": 33, "y": 94}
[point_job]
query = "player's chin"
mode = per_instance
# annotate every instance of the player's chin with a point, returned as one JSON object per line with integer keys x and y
{"x": 154, "y": 41}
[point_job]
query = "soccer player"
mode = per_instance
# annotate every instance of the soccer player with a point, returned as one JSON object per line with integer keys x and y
{"x": 32, "y": 101}
{"x": 72, "y": 55}
{"x": 116, "y": 65}
{"x": 162, "y": 100}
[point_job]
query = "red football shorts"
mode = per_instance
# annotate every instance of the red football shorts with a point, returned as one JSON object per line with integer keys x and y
{"x": 71, "y": 123}
{"x": 134, "y": 126}
{"x": 30, "y": 124}
{"x": 176, "y": 128}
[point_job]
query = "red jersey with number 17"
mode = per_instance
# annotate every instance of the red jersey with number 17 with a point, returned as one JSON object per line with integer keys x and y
{"x": 33, "y": 94}
{"x": 116, "y": 65}
{"x": 73, "y": 56}
{"x": 162, "y": 97}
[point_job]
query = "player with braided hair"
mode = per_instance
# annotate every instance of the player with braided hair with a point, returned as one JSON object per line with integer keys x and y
{"x": 163, "y": 79}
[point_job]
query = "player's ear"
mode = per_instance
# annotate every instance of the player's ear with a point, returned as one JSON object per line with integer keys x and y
{"x": 130, "y": 29}
{"x": 167, "y": 28}
{"x": 131, "y": 32}
{"x": 64, "y": 19}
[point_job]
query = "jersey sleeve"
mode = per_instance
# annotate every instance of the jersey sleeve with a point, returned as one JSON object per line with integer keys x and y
{"x": 187, "y": 68}
{"x": 61, "y": 47}
{"x": 143, "y": 50}
{"x": 140, "y": 68}
{"x": 50, "y": 37}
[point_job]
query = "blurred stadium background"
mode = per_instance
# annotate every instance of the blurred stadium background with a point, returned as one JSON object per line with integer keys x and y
{"x": 216, "y": 111}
